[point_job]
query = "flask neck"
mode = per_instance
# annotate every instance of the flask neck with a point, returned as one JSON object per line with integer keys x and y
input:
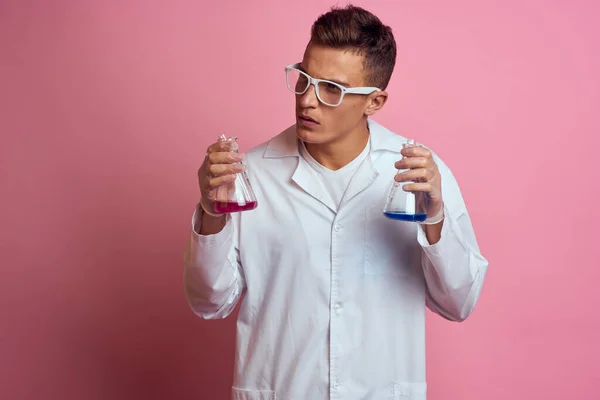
{"x": 232, "y": 140}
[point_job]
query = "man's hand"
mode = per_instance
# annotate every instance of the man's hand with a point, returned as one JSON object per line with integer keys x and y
{"x": 218, "y": 169}
{"x": 423, "y": 172}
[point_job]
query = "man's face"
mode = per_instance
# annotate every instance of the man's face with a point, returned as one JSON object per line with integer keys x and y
{"x": 333, "y": 123}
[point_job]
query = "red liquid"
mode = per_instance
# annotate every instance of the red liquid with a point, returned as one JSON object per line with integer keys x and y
{"x": 225, "y": 207}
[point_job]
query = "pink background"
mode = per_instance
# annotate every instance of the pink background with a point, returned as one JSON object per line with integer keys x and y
{"x": 106, "y": 109}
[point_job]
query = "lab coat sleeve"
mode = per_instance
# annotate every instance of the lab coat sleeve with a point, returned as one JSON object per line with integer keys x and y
{"x": 213, "y": 276}
{"x": 454, "y": 267}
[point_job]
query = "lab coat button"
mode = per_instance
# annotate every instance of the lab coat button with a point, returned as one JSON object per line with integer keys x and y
{"x": 337, "y": 227}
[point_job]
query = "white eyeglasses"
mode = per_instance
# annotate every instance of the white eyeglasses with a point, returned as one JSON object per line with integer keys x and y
{"x": 328, "y": 92}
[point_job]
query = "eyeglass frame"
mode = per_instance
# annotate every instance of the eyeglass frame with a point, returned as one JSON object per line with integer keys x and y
{"x": 363, "y": 90}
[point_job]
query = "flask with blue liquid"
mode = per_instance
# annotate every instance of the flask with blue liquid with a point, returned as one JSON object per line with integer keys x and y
{"x": 402, "y": 205}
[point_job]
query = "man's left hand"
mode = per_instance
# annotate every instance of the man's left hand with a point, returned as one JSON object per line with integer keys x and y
{"x": 423, "y": 172}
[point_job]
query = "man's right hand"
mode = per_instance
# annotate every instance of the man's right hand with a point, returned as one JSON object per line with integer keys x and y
{"x": 219, "y": 169}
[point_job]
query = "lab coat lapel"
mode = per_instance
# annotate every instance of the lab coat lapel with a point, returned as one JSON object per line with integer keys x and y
{"x": 362, "y": 179}
{"x": 382, "y": 140}
{"x": 286, "y": 145}
{"x": 305, "y": 178}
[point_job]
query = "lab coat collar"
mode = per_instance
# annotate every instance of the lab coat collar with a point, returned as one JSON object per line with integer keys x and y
{"x": 286, "y": 145}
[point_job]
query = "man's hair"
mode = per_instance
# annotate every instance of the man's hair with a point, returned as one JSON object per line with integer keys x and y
{"x": 356, "y": 29}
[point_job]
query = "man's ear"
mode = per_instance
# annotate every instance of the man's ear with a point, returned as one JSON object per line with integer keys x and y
{"x": 376, "y": 102}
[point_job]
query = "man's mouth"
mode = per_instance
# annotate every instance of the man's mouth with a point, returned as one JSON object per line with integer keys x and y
{"x": 308, "y": 120}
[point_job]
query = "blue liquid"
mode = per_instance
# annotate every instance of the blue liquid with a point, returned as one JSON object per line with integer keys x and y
{"x": 402, "y": 216}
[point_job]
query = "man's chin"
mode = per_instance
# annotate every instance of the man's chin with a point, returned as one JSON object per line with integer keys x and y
{"x": 302, "y": 132}
{"x": 307, "y": 135}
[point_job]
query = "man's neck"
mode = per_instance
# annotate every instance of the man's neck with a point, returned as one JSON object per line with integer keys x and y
{"x": 337, "y": 154}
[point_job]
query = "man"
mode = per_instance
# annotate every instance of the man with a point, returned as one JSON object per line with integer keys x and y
{"x": 333, "y": 294}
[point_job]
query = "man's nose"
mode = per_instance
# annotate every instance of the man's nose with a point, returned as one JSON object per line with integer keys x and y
{"x": 309, "y": 98}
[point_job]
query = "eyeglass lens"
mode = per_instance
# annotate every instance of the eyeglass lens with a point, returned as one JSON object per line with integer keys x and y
{"x": 329, "y": 93}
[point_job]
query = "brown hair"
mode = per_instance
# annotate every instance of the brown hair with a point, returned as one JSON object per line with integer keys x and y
{"x": 354, "y": 28}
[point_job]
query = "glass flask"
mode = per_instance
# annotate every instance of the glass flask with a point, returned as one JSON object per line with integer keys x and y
{"x": 238, "y": 195}
{"x": 402, "y": 205}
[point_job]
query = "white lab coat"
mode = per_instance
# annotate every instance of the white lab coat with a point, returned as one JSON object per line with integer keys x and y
{"x": 333, "y": 304}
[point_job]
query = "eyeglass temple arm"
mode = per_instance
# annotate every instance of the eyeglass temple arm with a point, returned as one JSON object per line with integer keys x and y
{"x": 362, "y": 90}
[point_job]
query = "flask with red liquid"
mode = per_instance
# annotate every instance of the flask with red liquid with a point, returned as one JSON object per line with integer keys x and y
{"x": 238, "y": 195}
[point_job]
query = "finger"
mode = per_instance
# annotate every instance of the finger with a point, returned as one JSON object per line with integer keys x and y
{"x": 415, "y": 175}
{"x": 215, "y": 170}
{"x": 418, "y": 187}
{"x": 412, "y": 163}
{"x": 224, "y": 146}
{"x": 415, "y": 151}
{"x": 220, "y": 181}
{"x": 222, "y": 157}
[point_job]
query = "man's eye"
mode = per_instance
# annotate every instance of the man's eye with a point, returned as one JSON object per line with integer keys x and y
{"x": 332, "y": 87}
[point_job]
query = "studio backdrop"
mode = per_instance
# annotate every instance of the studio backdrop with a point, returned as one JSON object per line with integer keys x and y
{"x": 106, "y": 110}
